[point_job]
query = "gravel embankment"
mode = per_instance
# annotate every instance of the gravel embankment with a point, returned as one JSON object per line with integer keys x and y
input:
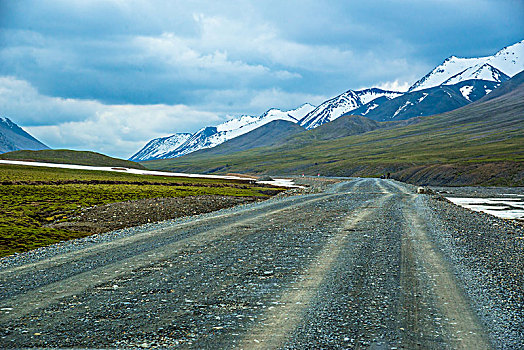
{"x": 478, "y": 191}
{"x": 487, "y": 255}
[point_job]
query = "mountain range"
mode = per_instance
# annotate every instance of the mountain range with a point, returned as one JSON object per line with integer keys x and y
{"x": 479, "y": 143}
{"x": 211, "y": 136}
{"x": 342, "y": 104}
{"x": 14, "y": 138}
{"x": 455, "y": 83}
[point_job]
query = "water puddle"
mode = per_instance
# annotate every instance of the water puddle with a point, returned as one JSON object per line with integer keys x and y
{"x": 508, "y": 207}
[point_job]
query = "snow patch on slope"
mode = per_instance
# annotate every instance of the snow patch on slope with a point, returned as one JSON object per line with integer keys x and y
{"x": 465, "y": 91}
{"x": 424, "y": 95}
{"x": 401, "y": 108}
{"x": 370, "y": 108}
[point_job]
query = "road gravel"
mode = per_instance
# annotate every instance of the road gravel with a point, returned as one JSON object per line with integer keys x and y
{"x": 361, "y": 263}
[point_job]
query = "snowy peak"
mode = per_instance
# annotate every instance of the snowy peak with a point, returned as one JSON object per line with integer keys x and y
{"x": 342, "y": 104}
{"x": 159, "y": 147}
{"x": 275, "y": 114}
{"x": 236, "y": 123}
{"x": 5, "y": 121}
{"x": 331, "y": 110}
{"x": 435, "y": 100}
{"x": 301, "y": 111}
{"x": 293, "y": 115}
{"x": 510, "y": 59}
{"x": 498, "y": 68}
{"x": 479, "y": 72}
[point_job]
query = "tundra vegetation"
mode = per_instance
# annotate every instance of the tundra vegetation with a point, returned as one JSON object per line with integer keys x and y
{"x": 32, "y": 198}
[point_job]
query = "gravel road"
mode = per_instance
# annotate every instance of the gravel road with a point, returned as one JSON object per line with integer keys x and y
{"x": 363, "y": 264}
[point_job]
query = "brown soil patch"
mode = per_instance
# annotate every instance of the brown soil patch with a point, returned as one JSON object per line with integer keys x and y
{"x": 116, "y": 216}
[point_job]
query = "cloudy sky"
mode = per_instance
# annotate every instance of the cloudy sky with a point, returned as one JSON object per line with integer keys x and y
{"x": 110, "y": 75}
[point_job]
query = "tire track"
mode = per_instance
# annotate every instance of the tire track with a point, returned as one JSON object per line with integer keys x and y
{"x": 120, "y": 243}
{"x": 460, "y": 323}
{"x": 279, "y": 322}
{"x": 352, "y": 267}
{"x": 20, "y": 279}
{"x": 44, "y": 296}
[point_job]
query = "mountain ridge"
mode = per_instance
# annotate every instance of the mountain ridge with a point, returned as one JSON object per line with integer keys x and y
{"x": 14, "y": 138}
{"x": 435, "y": 100}
{"x": 343, "y": 104}
{"x": 211, "y": 136}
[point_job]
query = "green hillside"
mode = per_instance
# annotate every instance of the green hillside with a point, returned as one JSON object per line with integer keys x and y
{"x": 483, "y": 133}
{"x": 62, "y": 156}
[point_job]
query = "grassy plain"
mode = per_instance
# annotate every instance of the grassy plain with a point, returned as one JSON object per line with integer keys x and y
{"x": 65, "y": 156}
{"x": 32, "y": 197}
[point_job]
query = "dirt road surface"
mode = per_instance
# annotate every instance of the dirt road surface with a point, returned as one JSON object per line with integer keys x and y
{"x": 365, "y": 264}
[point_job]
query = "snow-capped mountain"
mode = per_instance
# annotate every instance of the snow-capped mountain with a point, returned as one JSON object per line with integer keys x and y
{"x": 331, "y": 109}
{"x": 454, "y": 83}
{"x": 342, "y": 104}
{"x": 157, "y": 148}
{"x": 435, "y": 100}
{"x": 499, "y": 68}
{"x": 14, "y": 138}
{"x": 212, "y": 136}
{"x": 484, "y": 72}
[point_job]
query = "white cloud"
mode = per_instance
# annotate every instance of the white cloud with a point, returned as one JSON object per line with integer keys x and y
{"x": 196, "y": 62}
{"x": 235, "y": 102}
{"x": 395, "y": 85}
{"x": 262, "y": 41}
{"x": 117, "y": 130}
{"x": 266, "y": 99}
{"x": 19, "y": 99}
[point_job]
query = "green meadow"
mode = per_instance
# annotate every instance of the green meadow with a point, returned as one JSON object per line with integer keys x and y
{"x": 33, "y": 197}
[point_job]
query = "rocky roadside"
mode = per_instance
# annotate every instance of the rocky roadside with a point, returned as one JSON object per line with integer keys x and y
{"x": 116, "y": 216}
{"x": 487, "y": 255}
{"x": 477, "y": 191}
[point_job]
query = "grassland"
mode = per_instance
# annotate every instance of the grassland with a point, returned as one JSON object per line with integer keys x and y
{"x": 33, "y": 197}
{"x": 62, "y": 156}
